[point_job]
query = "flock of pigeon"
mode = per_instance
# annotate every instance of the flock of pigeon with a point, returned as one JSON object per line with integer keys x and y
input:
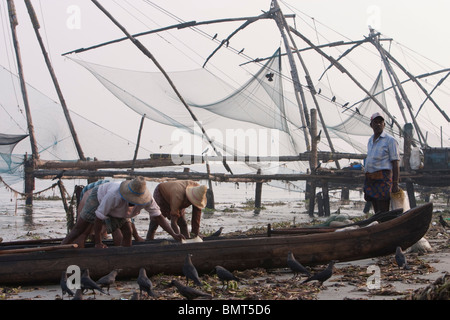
{"x": 190, "y": 272}
{"x": 145, "y": 284}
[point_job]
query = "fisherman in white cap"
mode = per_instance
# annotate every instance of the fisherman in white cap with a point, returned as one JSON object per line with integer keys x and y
{"x": 381, "y": 166}
{"x": 173, "y": 197}
{"x": 113, "y": 204}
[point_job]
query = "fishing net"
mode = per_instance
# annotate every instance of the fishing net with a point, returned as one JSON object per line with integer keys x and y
{"x": 228, "y": 114}
{"x": 52, "y": 133}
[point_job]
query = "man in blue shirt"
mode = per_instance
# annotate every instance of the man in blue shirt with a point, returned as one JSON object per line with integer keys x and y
{"x": 381, "y": 166}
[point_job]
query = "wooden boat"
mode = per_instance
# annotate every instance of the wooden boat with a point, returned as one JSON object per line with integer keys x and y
{"x": 234, "y": 254}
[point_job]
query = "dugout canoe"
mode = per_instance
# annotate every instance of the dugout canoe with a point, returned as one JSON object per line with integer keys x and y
{"x": 234, "y": 254}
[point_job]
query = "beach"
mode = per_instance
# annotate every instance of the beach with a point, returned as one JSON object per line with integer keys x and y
{"x": 234, "y": 212}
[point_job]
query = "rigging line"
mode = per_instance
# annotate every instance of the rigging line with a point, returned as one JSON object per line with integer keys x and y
{"x": 419, "y": 54}
{"x": 200, "y": 32}
{"x": 363, "y": 70}
{"x": 158, "y": 25}
{"x": 12, "y": 119}
{"x": 42, "y": 21}
{"x": 7, "y": 37}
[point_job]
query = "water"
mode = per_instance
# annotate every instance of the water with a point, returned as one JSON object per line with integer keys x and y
{"x": 47, "y": 218}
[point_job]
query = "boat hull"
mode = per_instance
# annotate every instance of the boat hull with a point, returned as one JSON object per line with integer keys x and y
{"x": 233, "y": 254}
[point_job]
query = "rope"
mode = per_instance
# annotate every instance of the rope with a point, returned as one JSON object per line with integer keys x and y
{"x": 25, "y": 194}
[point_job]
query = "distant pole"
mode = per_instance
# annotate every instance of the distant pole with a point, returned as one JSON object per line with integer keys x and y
{"x": 408, "y": 130}
{"x": 14, "y": 23}
{"x": 258, "y": 195}
{"x": 36, "y": 27}
{"x": 209, "y": 192}
{"x": 138, "y": 143}
{"x": 313, "y": 162}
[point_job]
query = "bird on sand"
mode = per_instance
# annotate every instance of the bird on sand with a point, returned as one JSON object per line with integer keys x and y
{"x": 108, "y": 280}
{"x": 217, "y": 233}
{"x": 323, "y": 275}
{"x": 135, "y": 296}
{"x": 189, "y": 292}
{"x": 225, "y": 275}
{"x": 87, "y": 283}
{"x": 190, "y": 272}
{"x": 443, "y": 223}
{"x": 400, "y": 258}
{"x": 145, "y": 284}
{"x": 296, "y": 266}
{"x": 64, "y": 288}
{"x": 78, "y": 295}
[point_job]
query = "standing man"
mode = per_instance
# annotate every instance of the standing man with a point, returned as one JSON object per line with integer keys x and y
{"x": 173, "y": 197}
{"x": 381, "y": 166}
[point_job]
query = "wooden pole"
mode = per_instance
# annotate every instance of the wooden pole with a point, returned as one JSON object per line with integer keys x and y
{"x": 36, "y": 27}
{"x": 145, "y": 51}
{"x": 299, "y": 94}
{"x": 258, "y": 195}
{"x": 14, "y": 23}
{"x": 341, "y": 68}
{"x": 326, "y": 198}
{"x": 310, "y": 86}
{"x": 188, "y": 24}
{"x": 404, "y": 96}
{"x": 408, "y": 130}
{"x": 209, "y": 193}
{"x": 137, "y": 143}
{"x": 313, "y": 162}
{"x": 29, "y": 180}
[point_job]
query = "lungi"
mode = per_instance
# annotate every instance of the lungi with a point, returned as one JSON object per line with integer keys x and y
{"x": 378, "y": 185}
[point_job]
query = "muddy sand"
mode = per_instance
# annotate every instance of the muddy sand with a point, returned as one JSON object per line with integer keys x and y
{"x": 350, "y": 280}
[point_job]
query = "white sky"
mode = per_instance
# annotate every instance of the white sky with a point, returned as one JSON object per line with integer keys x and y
{"x": 422, "y": 26}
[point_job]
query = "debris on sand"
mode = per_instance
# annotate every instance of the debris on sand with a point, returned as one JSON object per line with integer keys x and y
{"x": 438, "y": 290}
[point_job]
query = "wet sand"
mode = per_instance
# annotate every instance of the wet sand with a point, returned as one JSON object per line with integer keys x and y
{"x": 349, "y": 280}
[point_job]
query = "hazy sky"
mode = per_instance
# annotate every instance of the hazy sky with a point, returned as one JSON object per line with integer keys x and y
{"x": 422, "y": 26}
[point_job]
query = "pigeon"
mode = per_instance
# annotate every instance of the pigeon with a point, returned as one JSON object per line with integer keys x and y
{"x": 135, "y": 296}
{"x": 400, "y": 258}
{"x": 217, "y": 233}
{"x": 108, "y": 280}
{"x": 59, "y": 175}
{"x": 324, "y": 275}
{"x": 145, "y": 284}
{"x": 78, "y": 295}
{"x": 225, "y": 275}
{"x": 443, "y": 223}
{"x": 63, "y": 282}
{"x": 87, "y": 283}
{"x": 269, "y": 76}
{"x": 296, "y": 266}
{"x": 318, "y": 136}
{"x": 190, "y": 272}
{"x": 188, "y": 292}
